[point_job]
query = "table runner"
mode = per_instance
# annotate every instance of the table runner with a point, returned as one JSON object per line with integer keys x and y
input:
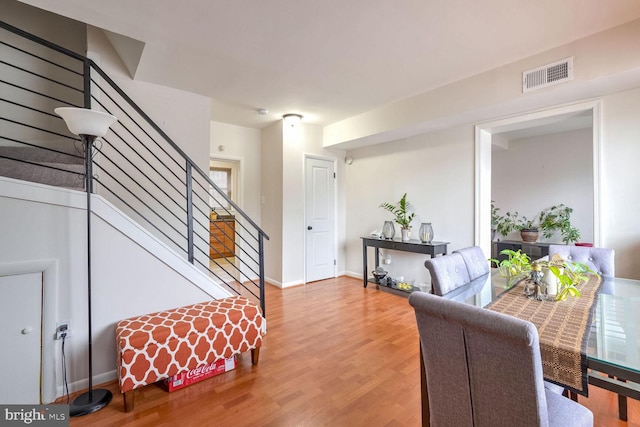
{"x": 563, "y": 328}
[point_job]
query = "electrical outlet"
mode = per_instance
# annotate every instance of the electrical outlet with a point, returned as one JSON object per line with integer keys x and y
{"x": 63, "y": 329}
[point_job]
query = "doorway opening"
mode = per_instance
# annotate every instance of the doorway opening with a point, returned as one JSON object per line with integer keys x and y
{"x": 224, "y": 232}
{"x": 487, "y": 136}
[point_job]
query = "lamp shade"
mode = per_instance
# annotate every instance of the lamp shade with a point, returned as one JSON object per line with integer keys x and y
{"x": 83, "y": 121}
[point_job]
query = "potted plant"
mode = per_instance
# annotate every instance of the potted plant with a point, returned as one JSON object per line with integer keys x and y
{"x": 558, "y": 217}
{"x": 402, "y": 215}
{"x": 512, "y": 221}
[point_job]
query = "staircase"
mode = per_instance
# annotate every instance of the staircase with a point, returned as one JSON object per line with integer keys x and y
{"x": 35, "y": 164}
{"x": 138, "y": 168}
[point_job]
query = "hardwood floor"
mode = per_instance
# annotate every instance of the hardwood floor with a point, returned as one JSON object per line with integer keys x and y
{"x": 335, "y": 354}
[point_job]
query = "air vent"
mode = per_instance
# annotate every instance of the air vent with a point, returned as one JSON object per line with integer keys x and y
{"x": 548, "y": 75}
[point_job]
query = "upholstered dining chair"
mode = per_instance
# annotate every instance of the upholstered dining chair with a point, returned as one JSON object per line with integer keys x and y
{"x": 448, "y": 272}
{"x": 601, "y": 260}
{"x": 477, "y": 264}
{"x": 484, "y": 369}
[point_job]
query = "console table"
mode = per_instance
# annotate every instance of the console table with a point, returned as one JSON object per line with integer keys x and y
{"x": 534, "y": 250}
{"x": 416, "y": 246}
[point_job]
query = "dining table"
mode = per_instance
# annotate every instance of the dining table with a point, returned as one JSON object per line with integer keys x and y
{"x": 611, "y": 334}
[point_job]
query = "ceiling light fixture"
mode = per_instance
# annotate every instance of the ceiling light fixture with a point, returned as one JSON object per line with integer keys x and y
{"x": 292, "y": 119}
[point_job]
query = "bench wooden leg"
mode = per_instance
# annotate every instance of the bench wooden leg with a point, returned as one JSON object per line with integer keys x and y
{"x": 129, "y": 400}
{"x": 255, "y": 355}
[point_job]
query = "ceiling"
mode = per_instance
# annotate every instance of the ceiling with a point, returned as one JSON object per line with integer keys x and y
{"x": 332, "y": 59}
{"x": 549, "y": 125}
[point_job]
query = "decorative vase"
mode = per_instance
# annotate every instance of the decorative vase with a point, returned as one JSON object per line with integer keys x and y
{"x": 406, "y": 234}
{"x": 388, "y": 230}
{"x": 426, "y": 232}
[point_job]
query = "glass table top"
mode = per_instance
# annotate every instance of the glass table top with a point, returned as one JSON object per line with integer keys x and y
{"x": 615, "y": 333}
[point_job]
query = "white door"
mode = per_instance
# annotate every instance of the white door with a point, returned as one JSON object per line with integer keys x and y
{"x": 21, "y": 308}
{"x": 320, "y": 219}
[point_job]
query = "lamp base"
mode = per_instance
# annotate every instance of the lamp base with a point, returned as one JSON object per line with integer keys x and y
{"x": 81, "y": 405}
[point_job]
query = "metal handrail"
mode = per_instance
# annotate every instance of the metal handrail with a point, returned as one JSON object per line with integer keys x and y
{"x": 174, "y": 206}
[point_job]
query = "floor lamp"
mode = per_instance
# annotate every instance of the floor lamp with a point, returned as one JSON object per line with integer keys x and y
{"x": 89, "y": 125}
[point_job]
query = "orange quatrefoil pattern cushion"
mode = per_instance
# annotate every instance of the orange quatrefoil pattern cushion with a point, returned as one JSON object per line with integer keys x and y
{"x": 156, "y": 346}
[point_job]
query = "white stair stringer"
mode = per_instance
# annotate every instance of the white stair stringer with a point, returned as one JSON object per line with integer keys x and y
{"x": 133, "y": 273}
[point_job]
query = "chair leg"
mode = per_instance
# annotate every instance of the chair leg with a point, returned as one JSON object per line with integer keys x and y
{"x": 255, "y": 355}
{"x": 129, "y": 400}
{"x": 424, "y": 395}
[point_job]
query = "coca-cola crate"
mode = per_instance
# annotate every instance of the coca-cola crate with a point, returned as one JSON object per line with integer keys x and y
{"x": 200, "y": 373}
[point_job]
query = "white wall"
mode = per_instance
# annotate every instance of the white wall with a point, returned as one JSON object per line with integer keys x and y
{"x": 620, "y": 178}
{"x": 271, "y": 171}
{"x": 241, "y": 144}
{"x": 294, "y": 140}
{"x": 436, "y": 171}
{"x": 185, "y": 117}
{"x": 535, "y": 173}
{"x": 283, "y": 186}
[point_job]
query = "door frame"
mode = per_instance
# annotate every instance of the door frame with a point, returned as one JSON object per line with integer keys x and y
{"x": 483, "y": 141}
{"x": 335, "y": 208}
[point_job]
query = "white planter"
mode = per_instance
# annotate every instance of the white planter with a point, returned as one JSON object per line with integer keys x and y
{"x": 406, "y": 234}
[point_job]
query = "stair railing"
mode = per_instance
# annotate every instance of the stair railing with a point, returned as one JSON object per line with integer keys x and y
{"x": 137, "y": 166}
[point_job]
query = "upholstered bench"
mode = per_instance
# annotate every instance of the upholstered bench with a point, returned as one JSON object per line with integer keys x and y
{"x": 155, "y": 346}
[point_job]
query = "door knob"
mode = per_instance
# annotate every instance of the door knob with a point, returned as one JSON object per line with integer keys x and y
{"x": 309, "y": 227}
{"x": 27, "y": 330}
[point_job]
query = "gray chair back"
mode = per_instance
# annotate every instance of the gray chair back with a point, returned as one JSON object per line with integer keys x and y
{"x": 601, "y": 260}
{"x": 484, "y": 369}
{"x": 477, "y": 264}
{"x": 448, "y": 272}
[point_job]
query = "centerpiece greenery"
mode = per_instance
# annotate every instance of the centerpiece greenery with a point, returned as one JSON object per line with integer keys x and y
{"x": 516, "y": 266}
{"x": 569, "y": 274}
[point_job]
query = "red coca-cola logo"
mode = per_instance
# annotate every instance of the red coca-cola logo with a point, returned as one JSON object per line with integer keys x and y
{"x": 201, "y": 370}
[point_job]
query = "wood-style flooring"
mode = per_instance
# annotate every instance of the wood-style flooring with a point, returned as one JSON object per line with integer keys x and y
{"x": 336, "y": 354}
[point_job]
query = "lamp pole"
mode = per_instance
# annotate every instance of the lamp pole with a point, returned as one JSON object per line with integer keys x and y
{"x": 92, "y": 400}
